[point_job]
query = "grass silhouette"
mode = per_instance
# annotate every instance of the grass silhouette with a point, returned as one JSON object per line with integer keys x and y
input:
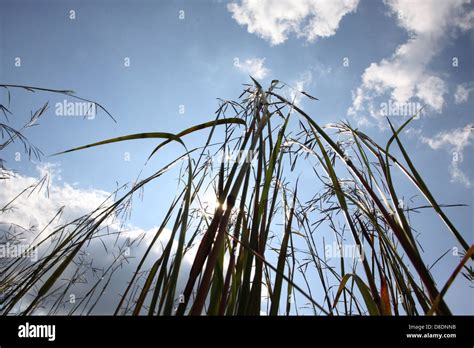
{"x": 261, "y": 233}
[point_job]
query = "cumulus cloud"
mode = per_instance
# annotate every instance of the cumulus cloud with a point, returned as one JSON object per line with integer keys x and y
{"x": 455, "y": 142}
{"x": 405, "y": 75}
{"x": 37, "y": 208}
{"x": 33, "y": 212}
{"x": 254, "y": 67}
{"x": 299, "y": 85}
{"x": 274, "y": 20}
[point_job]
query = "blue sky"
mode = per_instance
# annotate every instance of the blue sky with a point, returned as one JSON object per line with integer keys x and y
{"x": 353, "y": 55}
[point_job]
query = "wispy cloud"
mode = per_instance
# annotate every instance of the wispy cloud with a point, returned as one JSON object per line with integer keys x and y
{"x": 454, "y": 141}
{"x": 254, "y": 67}
{"x": 299, "y": 86}
{"x": 274, "y": 20}
{"x": 405, "y": 74}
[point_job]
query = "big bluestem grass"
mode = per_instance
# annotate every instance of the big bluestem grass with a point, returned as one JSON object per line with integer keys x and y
{"x": 262, "y": 235}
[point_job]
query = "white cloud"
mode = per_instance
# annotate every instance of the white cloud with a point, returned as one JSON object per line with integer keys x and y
{"x": 37, "y": 208}
{"x": 457, "y": 175}
{"x": 457, "y": 139}
{"x": 453, "y": 141}
{"x": 462, "y": 93}
{"x": 405, "y": 74}
{"x": 254, "y": 67}
{"x": 431, "y": 90}
{"x": 299, "y": 85}
{"x": 274, "y": 20}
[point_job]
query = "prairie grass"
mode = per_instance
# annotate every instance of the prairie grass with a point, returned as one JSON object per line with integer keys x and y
{"x": 262, "y": 236}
